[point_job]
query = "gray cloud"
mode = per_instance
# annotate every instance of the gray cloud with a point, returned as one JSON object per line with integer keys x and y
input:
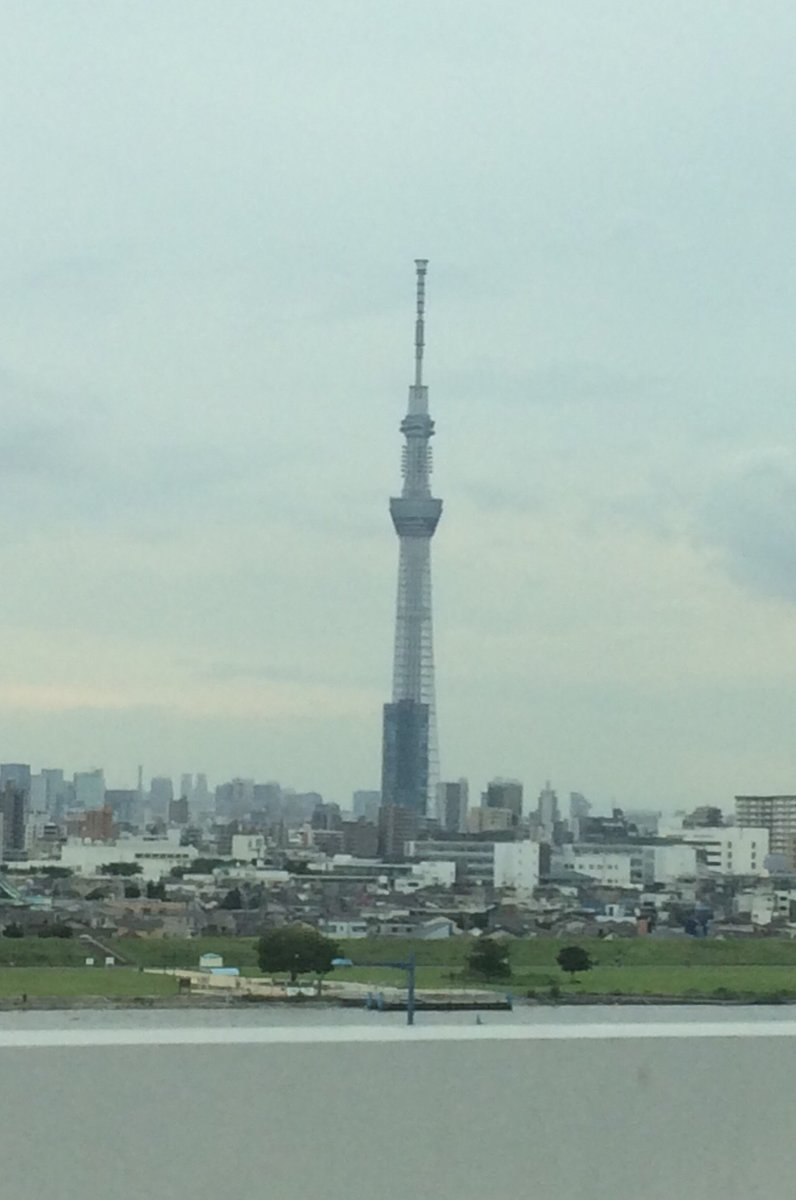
{"x": 748, "y": 520}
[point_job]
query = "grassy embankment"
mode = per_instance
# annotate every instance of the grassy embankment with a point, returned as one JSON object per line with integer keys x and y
{"x": 667, "y": 967}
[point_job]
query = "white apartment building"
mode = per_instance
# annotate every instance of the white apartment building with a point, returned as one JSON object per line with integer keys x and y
{"x": 248, "y": 846}
{"x": 439, "y": 873}
{"x": 516, "y": 865}
{"x": 777, "y": 814}
{"x": 628, "y": 865}
{"x": 665, "y": 864}
{"x": 482, "y": 863}
{"x": 609, "y": 867}
{"x": 762, "y": 907}
{"x": 729, "y": 849}
{"x": 155, "y": 856}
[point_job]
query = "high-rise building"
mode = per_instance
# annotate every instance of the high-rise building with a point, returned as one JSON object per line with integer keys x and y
{"x": 705, "y": 816}
{"x": 201, "y": 794}
{"x": 56, "y": 790}
{"x": 360, "y": 838}
{"x": 13, "y": 808}
{"x": 161, "y": 794}
{"x": 409, "y": 748}
{"x": 268, "y": 800}
{"x": 125, "y": 805}
{"x": 17, "y": 773}
{"x": 366, "y": 804}
{"x": 490, "y": 820}
{"x": 777, "y": 814}
{"x": 178, "y": 811}
{"x": 90, "y": 788}
{"x": 645, "y": 821}
{"x": 327, "y": 817}
{"x": 98, "y": 825}
{"x": 547, "y": 812}
{"x": 398, "y": 825}
{"x": 579, "y": 809}
{"x": 505, "y": 793}
{"x": 241, "y": 797}
{"x": 452, "y": 805}
{"x": 298, "y": 807}
{"x": 579, "y": 806}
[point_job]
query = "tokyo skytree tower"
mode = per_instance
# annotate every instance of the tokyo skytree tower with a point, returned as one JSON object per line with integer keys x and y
{"x": 409, "y": 750}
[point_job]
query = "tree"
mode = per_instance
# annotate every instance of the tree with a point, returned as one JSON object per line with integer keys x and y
{"x": 156, "y": 891}
{"x": 97, "y": 893}
{"x": 489, "y": 959}
{"x": 13, "y": 930}
{"x": 132, "y": 891}
{"x": 296, "y": 949}
{"x": 120, "y": 868}
{"x": 233, "y": 900}
{"x": 203, "y": 866}
{"x": 573, "y": 959}
{"x": 58, "y": 929}
{"x": 297, "y": 866}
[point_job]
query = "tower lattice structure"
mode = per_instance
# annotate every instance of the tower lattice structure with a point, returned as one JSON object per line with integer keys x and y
{"x": 410, "y": 761}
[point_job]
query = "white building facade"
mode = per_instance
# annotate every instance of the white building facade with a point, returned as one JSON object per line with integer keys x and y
{"x": 516, "y": 865}
{"x": 730, "y": 849}
{"x": 611, "y": 868}
{"x": 155, "y": 856}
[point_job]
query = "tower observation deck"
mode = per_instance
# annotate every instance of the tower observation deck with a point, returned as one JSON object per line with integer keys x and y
{"x": 409, "y": 750}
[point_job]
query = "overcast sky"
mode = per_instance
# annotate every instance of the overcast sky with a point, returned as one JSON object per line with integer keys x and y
{"x": 210, "y": 214}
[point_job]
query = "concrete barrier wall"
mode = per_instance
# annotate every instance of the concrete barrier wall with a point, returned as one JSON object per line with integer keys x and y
{"x": 660, "y": 1113}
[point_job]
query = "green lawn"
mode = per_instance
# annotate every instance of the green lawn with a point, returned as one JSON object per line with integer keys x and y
{"x": 635, "y": 966}
{"x": 185, "y": 952}
{"x": 83, "y": 981}
{"x": 682, "y": 980}
{"x": 601, "y": 980}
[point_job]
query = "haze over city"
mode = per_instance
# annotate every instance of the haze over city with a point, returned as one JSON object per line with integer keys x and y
{"x": 212, "y": 214}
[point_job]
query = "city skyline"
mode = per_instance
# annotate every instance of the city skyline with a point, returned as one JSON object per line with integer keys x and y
{"x": 209, "y": 221}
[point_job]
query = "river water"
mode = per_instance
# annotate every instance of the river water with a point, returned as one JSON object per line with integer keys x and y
{"x": 329, "y": 1017}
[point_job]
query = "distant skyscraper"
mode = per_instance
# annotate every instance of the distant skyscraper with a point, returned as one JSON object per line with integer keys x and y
{"x": 201, "y": 794}
{"x": 505, "y": 793}
{"x": 13, "y": 808}
{"x": 397, "y": 826}
{"x": 178, "y": 811}
{"x": 125, "y": 804}
{"x": 15, "y": 780}
{"x": 98, "y": 824}
{"x": 366, "y": 804}
{"x": 579, "y": 806}
{"x": 161, "y": 794}
{"x": 90, "y": 788}
{"x": 452, "y": 805}
{"x": 579, "y": 809}
{"x": 327, "y": 817}
{"x": 409, "y": 746}
{"x": 16, "y": 773}
{"x": 547, "y": 811}
{"x": 56, "y": 790}
{"x": 268, "y": 800}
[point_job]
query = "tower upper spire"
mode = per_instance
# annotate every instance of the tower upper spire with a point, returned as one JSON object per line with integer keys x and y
{"x": 421, "y": 266}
